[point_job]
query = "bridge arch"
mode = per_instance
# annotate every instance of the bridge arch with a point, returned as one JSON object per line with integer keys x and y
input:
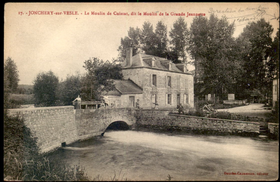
{"x": 117, "y": 125}
{"x": 96, "y": 122}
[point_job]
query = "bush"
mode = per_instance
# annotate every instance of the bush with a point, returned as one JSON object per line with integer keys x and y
{"x": 22, "y": 160}
{"x": 18, "y": 146}
{"x": 221, "y": 115}
{"x": 42, "y": 169}
{"x": 201, "y": 103}
{"x": 197, "y": 112}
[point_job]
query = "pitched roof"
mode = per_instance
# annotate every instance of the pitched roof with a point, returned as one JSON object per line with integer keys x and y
{"x": 124, "y": 87}
{"x": 145, "y": 60}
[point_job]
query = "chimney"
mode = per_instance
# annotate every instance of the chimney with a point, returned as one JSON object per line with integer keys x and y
{"x": 185, "y": 69}
{"x": 129, "y": 54}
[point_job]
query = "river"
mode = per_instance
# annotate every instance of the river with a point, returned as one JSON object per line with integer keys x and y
{"x": 141, "y": 155}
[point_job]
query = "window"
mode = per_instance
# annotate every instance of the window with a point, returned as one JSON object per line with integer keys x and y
{"x": 131, "y": 101}
{"x": 169, "y": 81}
{"x": 154, "y": 80}
{"x": 169, "y": 99}
{"x": 154, "y": 99}
{"x": 178, "y": 99}
{"x": 186, "y": 98}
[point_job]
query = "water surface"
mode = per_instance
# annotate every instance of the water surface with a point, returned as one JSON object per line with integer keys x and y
{"x": 138, "y": 155}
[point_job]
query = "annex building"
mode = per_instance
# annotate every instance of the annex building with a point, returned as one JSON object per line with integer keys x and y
{"x": 152, "y": 82}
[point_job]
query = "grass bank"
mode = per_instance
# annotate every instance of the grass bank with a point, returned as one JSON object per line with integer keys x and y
{"x": 23, "y": 162}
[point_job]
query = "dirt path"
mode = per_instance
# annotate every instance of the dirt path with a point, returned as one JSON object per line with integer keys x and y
{"x": 255, "y": 110}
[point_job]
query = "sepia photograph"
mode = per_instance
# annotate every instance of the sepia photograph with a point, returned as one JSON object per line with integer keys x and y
{"x": 141, "y": 91}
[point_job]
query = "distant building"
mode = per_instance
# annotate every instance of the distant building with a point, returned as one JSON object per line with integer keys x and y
{"x": 152, "y": 82}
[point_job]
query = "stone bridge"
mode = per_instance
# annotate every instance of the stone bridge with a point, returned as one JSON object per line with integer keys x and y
{"x": 95, "y": 122}
{"x": 53, "y": 126}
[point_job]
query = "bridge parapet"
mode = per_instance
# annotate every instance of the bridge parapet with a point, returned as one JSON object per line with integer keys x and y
{"x": 50, "y": 125}
{"x": 53, "y": 126}
{"x": 95, "y": 122}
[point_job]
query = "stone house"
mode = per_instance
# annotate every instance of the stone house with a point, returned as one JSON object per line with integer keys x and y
{"x": 152, "y": 81}
{"x": 275, "y": 93}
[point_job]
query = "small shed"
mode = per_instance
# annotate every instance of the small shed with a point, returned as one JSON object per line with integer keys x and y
{"x": 90, "y": 104}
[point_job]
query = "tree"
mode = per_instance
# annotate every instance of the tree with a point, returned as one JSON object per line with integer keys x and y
{"x": 99, "y": 78}
{"x": 211, "y": 40}
{"x": 148, "y": 38}
{"x": 179, "y": 39}
{"x": 161, "y": 40}
{"x": 6, "y": 92}
{"x": 257, "y": 50}
{"x": 69, "y": 89}
{"x": 45, "y": 88}
{"x": 11, "y": 74}
{"x": 134, "y": 36}
{"x": 273, "y": 64}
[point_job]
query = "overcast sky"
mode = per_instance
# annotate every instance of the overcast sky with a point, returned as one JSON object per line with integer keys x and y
{"x": 61, "y": 43}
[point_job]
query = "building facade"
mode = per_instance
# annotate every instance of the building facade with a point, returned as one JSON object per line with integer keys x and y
{"x": 152, "y": 82}
{"x": 275, "y": 93}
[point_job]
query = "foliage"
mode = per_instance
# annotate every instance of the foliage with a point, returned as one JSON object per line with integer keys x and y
{"x": 45, "y": 86}
{"x": 69, "y": 89}
{"x": 197, "y": 112}
{"x": 19, "y": 99}
{"x": 134, "y": 36}
{"x": 147, "y": 40}
{"x": 43, "y": 169}
{"x": 23, "y": 162}
{"x": 211, "y": 40}
{"x": 24, "y": 89}
{"x": 99, "y": 78}
{"x": 6, "y": 92}
{"x": 10, "y": 83}
{"x": 221, "y": 115}
{"x": 201, "y": 103}
{"x": 160, "y": 40}
{"x": 256, "y": 51}
{"x": 11, "y": 74}
{"x": 18, "y": 147}
{"x": 273, "y": 65}
{"x": 179, "y": 35}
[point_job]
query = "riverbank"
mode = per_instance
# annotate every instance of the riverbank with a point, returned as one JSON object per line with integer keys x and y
{"x": 162, "y": 120}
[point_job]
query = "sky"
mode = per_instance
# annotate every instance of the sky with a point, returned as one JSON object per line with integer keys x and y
{"x": 59, "y": 37}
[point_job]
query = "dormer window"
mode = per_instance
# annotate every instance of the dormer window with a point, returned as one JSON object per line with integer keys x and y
{"x": 169, "y": 65}
{"x": 153, "y": 62}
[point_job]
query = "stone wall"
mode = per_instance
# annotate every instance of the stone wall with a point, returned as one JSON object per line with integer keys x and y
{"x": 239, "y": 102}
{"x": 273, "y": 129}
{"x": 163, "y": 119}
{"x": 94, "y": 122}
{"x": 50, "y": 125}
{"x": 53, "y": 126}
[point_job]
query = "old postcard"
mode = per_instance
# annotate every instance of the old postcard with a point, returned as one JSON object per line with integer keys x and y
{"x": 141, "y": 91}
